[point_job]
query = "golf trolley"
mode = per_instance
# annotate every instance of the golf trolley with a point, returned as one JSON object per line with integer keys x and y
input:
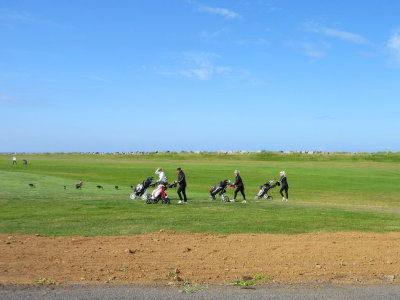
{"x": 220, "y": 189}
{"x": 159, "y": 194}
{"x": 141, "y": 189}
{"x": 263, "y": 192}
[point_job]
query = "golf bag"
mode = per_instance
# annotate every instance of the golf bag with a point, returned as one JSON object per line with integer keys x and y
{"x": 141, "y": 189}
{"x": 220, "y": 189}
{"x": 263, "y": 192}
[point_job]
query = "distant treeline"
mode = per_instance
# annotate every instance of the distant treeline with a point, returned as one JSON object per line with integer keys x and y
{"x": 233, "y": 155}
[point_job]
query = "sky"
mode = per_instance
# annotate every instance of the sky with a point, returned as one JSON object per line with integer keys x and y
{"x": 181, "y": 75}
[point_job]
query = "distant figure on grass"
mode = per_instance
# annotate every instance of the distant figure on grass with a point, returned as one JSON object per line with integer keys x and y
{"x": 239, "y": 186}
{"x": 79, "y": 185}
{"x": 24, "y": 162}
{"x": 162, "y": 179}
{"x": 284, "y": 186}
{"x": 182, "y": 186}
{"x": 14, "y": 160}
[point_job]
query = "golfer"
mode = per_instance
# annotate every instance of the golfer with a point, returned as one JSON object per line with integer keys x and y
{"x": 182, "y": 186}
{"x": 284, "y": 186}
{"x": 239, "y": 186}
{"x": 162, "y": 180}
{"x": 14, "y": 160}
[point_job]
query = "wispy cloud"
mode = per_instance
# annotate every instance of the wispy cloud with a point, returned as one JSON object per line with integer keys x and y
{"x": 393, "y": 45}
{"x": 268, "y": 6}
{"x": 25, "y": 17}
{"x": 97, "y": 78}
{"x": 344, "y": 35}
{"x": 229, "y": 14}
{"x": 210, "y": 35}
{"x": 224, "y": 12}
{"x": 256, "y": 42}
{"x": 16, "y": 16}
{"x": 15, "y": 101}
{"x": 309, "y": 49}
{"x": 194, "y": 65}
{"x": 324, "y": 117}
{"x": 336, "y": 33}
{"x": 201, "y": 66}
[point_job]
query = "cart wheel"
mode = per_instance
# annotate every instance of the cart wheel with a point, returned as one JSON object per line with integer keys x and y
{"x": 132, "y": 196}
{"x": 224, "y": 198}
{"x": 146, "y": 197}
{"x": 256, "y": 197}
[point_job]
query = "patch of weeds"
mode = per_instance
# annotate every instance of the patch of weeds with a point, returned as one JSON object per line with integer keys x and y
{"x": 188, "y": 288}
{"x": 260, "y": 277}
{"x": 45, "y": 280}
{"x": 172, "y": 274}
{"x": 244, "y": 283}
{"x": 124, "y": 269}
{"x": 251, "y": 280}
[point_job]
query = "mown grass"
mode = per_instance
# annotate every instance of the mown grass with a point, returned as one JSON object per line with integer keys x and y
{"x": 332, "y": 194}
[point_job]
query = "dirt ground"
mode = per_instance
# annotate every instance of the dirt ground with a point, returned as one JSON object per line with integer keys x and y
{"x": 169, "y": 257}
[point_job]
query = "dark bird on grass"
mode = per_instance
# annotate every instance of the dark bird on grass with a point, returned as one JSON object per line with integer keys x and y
{"x": 65, "y": 187}
{"x": 116, "y": 187}
{"x": 78, "y": 186}
{"x": 100, "y": 187}
{"x": 32, "y": 185}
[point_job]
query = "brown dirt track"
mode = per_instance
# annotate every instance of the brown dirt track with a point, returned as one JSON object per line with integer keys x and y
{"x": 168, "y": 257}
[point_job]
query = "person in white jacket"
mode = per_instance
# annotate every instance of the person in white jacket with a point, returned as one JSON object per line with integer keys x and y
{"x": 162, "y": 180}
{"x": 161, "y": 175}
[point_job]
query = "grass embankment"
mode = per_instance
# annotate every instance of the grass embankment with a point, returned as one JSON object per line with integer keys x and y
{"x": 336, "y": 192}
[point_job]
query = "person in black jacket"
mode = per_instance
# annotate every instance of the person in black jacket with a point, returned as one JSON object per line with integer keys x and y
{"x": 284, "y": 186}
{"x": 239, "y": 186}
{"x": 182, "y": 186}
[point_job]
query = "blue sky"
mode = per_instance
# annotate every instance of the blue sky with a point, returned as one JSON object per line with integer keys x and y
{"x": 146, "y": 75}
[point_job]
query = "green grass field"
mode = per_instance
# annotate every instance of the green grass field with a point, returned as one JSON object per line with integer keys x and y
{"x": 329, "y": 193}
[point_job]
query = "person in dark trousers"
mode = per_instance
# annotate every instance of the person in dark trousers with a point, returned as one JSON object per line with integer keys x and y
{"x": 284, "y": 186}
{"x": 182, "y": 186}
{"x": 239, "y": 186}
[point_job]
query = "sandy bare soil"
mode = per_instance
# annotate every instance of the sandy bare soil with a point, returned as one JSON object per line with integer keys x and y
{"x": 169, "y": 257}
